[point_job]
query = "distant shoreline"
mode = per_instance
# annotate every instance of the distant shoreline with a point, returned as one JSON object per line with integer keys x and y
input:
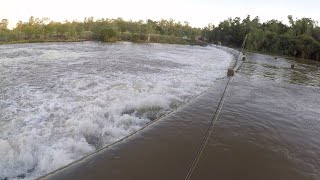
{"x": 161, "y": 42}
{"x": 39, "y": 41}
{"x": 143, "y": 38}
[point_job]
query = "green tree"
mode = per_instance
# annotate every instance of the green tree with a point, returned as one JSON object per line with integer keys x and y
{"x": 4, "y": 24}
{"x": 108, "y": 35}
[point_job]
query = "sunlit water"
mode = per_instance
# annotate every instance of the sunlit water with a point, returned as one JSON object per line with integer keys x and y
{"x": 62, "y": 101}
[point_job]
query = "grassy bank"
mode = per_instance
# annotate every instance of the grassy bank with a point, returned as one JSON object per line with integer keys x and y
{"x": 40, "y": 41}
{"x": 105, "y": 30}
{"x": 130, "y": 37}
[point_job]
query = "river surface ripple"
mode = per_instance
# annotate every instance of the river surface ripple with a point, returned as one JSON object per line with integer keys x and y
{"x": 62, "y": 101}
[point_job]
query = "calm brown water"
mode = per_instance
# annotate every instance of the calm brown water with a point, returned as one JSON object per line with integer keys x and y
{"x": 269, "y": 128}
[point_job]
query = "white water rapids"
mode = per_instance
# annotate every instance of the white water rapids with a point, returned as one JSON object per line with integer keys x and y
{"x": 62, "y": 101}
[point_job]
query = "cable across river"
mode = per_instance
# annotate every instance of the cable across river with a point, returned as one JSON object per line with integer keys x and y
{"x": 215, "y": 116}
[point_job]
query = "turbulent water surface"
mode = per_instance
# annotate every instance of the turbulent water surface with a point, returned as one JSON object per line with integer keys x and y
{"x": 267, "y": 129}
{"x": 62, "y": 101}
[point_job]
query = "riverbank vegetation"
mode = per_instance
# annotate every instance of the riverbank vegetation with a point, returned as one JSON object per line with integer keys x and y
{"x": 299, "y": 38}
{"x": 106, "y": 30}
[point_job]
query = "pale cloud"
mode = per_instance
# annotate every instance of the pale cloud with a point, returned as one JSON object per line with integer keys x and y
{"x": 197, "y": 12}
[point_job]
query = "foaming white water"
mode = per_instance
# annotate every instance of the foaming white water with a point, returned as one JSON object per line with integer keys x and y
{"x": 60, "y": 102}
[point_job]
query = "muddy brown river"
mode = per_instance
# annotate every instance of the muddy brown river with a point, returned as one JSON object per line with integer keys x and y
{"x": 61, "y": 103}
{"x": 269, "y": 128}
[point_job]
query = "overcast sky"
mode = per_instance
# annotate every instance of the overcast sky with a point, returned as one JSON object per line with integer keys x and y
{"x": 198, "y": 12}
